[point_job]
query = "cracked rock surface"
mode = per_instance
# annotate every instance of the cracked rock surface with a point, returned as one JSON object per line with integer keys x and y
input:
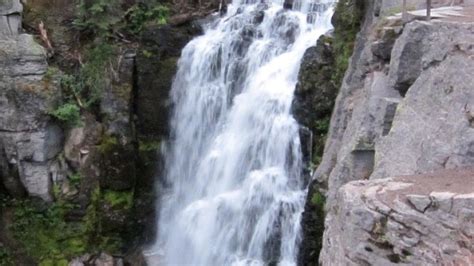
{"x": 406, "y": 108}
{"x": 29, "y": 140}
{"x": 410, "y": 220}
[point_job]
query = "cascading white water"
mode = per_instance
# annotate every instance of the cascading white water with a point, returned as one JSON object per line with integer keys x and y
{"x": 233, "y": 165}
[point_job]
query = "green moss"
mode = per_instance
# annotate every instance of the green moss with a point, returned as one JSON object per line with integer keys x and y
{"x": 147, "y": 54}
{"x": 347, "y": 22}
{"x": 119, "y": 199}
{"x": 50, "y": 239}
{"x": 98, "y": 239}
{"x": 51, "y": 73}
{"x": 318, "y": 200}
{"x": 144, "y": 146}
{"x": 107, "y": 144}
{"x": 53, "y": 262}
{"x": 45, "y": 234}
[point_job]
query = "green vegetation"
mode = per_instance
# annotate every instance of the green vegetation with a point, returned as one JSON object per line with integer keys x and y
{"x": 75, "y": 178}
{"x": 119, "y": 199}
{"x": 83, "y": 89}
{"x": 51, "y": 72}
{"x": 145, "y": 146}
{"x": 68, "y": 113}
{"x": 45, "y": 234}
{"x": 107, "y": 144}
{"x": 50, "y": 238}
{"x": 92, "y": 74}
{"x": 320, "y": 131}
{"x": 104, "y": 18}
{"x": 347, "y": 22}
{"x": 87, "y": 85}
{"x": 318, "y": 200}
{"x": 97, "y": 17}
{"x": 139, "y": 15}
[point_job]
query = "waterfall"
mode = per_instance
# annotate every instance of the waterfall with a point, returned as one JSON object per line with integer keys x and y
{"x": 234, "y": 188}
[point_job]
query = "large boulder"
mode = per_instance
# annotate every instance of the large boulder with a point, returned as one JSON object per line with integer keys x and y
{"x": 315, "y": 93}
{"x": 433, "y": 126}
{"x": 413, "y": 51}
{"x": 410, "y": 220}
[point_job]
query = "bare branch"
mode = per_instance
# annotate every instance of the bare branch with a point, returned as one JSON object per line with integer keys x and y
{"x": 44, "y": 36}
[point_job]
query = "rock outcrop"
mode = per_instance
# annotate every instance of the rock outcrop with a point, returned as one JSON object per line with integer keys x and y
{"x": 156, "y": 66}
{"x": 409, "y": 220}
{"x": 404, "y": 109}
{"x": 29, "y": 140}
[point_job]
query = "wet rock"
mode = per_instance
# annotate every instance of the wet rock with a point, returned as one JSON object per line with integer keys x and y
{"x": 10, "y": 176}
{"x": 118, "y": 169}
{"x": 155, "y": 68}
{"x": 288, "y": 4}
{"x": 258, "y": 17}
{"x": 315, "y": 93}
{"x": 312, "y": 226}
{"x": 286, "y": 27}
{"x": 135, "y": 258}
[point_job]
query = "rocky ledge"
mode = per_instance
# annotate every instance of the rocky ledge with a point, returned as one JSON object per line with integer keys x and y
{"x": 409, "y": 220}
{"x": 405, "y": 108}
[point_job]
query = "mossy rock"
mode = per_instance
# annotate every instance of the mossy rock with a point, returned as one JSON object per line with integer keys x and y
{"x": 313, "y": 227}
{"x": 156, "y": 66}
{"x": 118, "y": 169}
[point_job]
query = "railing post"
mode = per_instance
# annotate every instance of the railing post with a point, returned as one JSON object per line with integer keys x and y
{"x": 404, "y": 11}
{"x": 428, "y": 10}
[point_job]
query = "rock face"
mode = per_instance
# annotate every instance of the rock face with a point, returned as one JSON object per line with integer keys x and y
{"x": 314, "y": 95}
{"x": 432, "y": 128}
{"x": 409, "y": 220}
{"x": 29, "y": 141}
{"x": 156, "y": 66}
{"x": 10, "y": 17}
{"x": 405, "y": 108}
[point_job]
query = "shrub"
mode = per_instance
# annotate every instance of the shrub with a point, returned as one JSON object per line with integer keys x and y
{"x": 45, "y": 234}
{"x": 103, "y": 18}
{"x": 97, "y": 18}
{"x": 68, "y": 113}
{"x": 140, "y": 14}
{"x": 119, "y": 199}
